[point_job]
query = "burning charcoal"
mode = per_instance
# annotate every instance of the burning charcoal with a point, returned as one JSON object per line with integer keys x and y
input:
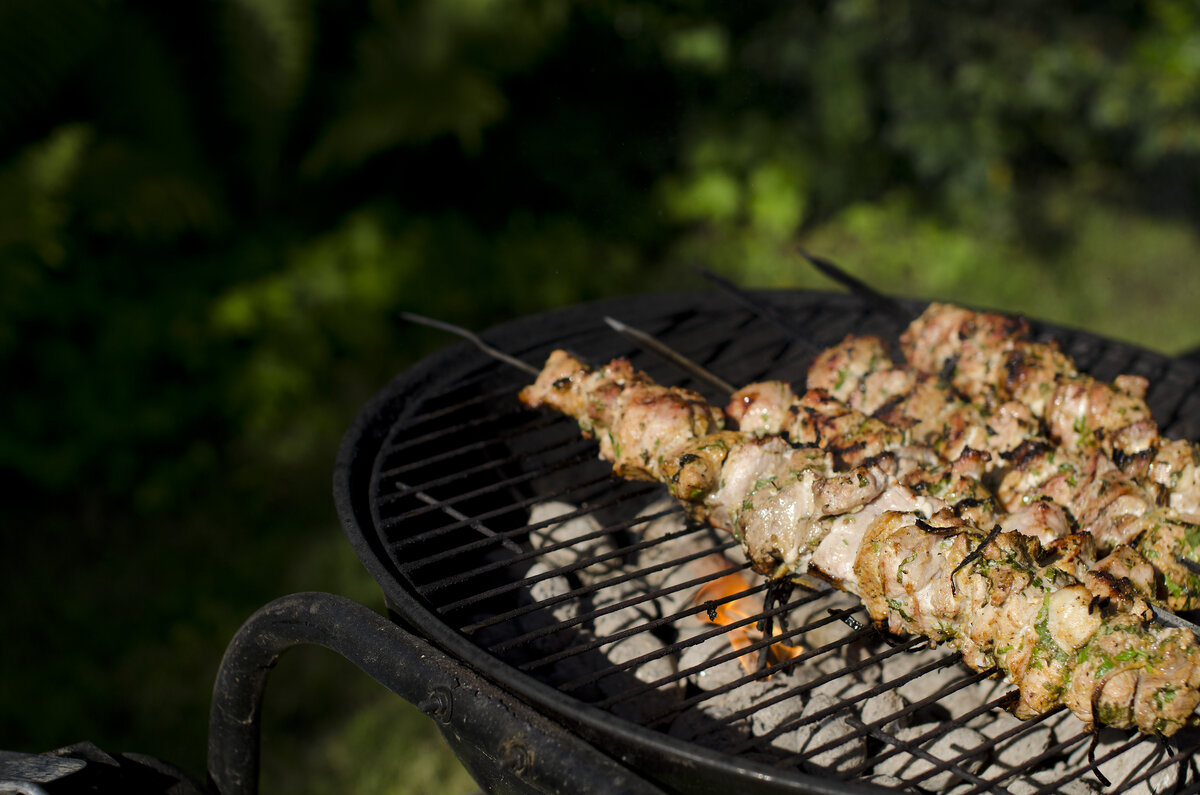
{"x": 880, "y": 707}
{"x": 948, "y": 746}
{"x": 767, "y": 719}
{"x": 1016, "y": 751}
{"x": 609, "y": 619}
{"x": 778, "y": 720}
{"x": 964, "y": 698}
{"x": 1131, "y": 763}
{"x": 641, "y": 707}
{"x": 668, "y": 549}
{"x": 829, "y": 631}
{"x": 888, "y": 782}
{"x": 846, "y": 748}
{"x": 580, "y": 536}
{"x": 842, "y": 688}
{"x": 997, "y": 687}
{"x": 710, "y": 676}
{"x": 1073, "y": 786}
{"x": 707, "y": 724}
{"x": 921, "y": 687}
{"x": 835, "y": 665}
{"x": 854, "y": 654}
{"x": 546, "y": 590}
{"x": 682, "y": 582}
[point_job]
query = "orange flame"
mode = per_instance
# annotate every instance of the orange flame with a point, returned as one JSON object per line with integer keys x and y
{"x": 736, "y": 610}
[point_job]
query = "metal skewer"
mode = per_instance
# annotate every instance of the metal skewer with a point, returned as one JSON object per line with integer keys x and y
{"x": 472, "y": 337}
{"x": 858, "y": 287}
{"x": 768, "y": 313}
{"x": 1188, "y": 564}
{"x": 670, "y": 354}
{"x": 1167, "y": 618}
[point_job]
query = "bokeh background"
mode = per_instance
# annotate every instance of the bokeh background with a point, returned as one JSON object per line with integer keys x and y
{"x": 210, "y": 214}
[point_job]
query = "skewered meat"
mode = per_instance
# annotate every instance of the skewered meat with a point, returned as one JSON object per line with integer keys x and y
{"x": 1118, "y": 505}
{"x": 1047, "y": 493}
{"x": 993, "y": 600}
{"x": 858, "y": 370}
{"x": 898, "y": 548}
{"x": 1080, "y": 412}
{"x": 636, "y": 421}
{"x": 1156, "y": 503}
{"x": 769, "y": 495}
{"x": 771, "y": 408}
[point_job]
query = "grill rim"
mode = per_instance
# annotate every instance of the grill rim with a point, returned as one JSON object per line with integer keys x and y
{"x": 641, "y": 748}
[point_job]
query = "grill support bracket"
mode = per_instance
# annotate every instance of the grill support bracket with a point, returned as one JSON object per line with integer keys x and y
{"x": 507, "y": 747}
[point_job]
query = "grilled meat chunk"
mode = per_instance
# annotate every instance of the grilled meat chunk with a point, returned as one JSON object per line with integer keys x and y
{"x": 968, "y": 349}
{"x": 924, "y": 406}
{"x": 636, "y": 421}
{"x": 771, "y": 408}
{"x": 989, "y": 597}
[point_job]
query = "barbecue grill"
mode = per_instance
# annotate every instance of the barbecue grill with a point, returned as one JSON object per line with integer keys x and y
{"x": 513, "y": 565}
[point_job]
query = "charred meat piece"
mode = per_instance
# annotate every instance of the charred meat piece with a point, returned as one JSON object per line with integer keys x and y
{"x": 968, "y": 349}
{"x": 1080, "y": 413}
{"x": 637, "y": 422}
{"x": 925, "y": 406}
{"x": 989, "y": 597}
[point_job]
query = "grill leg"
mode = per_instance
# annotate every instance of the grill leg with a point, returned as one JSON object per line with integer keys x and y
{"x": 507, "y": 746}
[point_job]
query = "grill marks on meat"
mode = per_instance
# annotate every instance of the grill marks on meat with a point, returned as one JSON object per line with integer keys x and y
{"x": 968, "y": 348}
{"x": 1036, "y": 623}
{"x": 928, "y": 409}
{"x": 1043, "y": 490}
{"x": 771, "y": 408}
{"x": 1001, "y": 598}
{"x": 770, "y": 495}
{"x": 637, "y": 422}
{"x": 1127, "y": 483}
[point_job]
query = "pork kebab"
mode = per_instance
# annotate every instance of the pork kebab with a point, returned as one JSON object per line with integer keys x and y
{"x": 1111, "y": 570}
{"x": 1045, "y": 471}
{"x": 988, "y": 357}
{"x": 997, "y": 597}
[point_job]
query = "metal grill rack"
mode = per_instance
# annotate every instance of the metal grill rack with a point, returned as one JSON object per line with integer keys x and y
{"x": 440, "y": 485}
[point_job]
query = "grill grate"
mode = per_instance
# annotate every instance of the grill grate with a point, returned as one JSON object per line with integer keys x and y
{"x": 463, "y": 468}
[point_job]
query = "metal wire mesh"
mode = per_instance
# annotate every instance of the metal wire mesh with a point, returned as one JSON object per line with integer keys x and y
{"x": 460, "y": 489}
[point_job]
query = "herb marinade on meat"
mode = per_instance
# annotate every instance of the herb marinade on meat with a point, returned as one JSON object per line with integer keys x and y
{"x": 795, "y": 509}
{"x": 1033, "y": 621}
{"x": 989, "y": 359}
{"x": 1055, "y": 437}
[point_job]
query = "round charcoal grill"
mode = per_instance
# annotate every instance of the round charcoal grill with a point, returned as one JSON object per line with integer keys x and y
{"x": 569, "y": 616}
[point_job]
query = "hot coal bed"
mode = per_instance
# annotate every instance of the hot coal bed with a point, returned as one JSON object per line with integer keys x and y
{"x": 568, "y": 631}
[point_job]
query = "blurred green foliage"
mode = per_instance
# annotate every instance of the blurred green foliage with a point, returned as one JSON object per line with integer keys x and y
{"x": 210, "y": 214}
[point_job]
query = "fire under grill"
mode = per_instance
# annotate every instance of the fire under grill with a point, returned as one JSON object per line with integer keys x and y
{"x": 497, "y": 533}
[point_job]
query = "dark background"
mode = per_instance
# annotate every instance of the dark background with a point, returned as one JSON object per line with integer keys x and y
{"x": 210, "y": 214}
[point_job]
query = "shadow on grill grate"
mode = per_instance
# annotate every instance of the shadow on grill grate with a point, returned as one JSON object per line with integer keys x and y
{"x": 510, "y": 536}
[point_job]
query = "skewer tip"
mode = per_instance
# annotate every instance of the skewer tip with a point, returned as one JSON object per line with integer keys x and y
{"x": 615, "y": 324}
{"x": 670, "y": 354}
{"x": 472, "y": 337}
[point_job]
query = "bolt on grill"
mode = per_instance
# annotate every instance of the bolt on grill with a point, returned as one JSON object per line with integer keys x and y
{"x": 496, "y": 532}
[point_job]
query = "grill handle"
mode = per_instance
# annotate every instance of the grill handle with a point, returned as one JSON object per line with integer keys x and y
{"x": 505, "y": 745}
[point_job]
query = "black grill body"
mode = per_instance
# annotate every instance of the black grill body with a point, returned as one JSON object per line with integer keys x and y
{"x": 439, "y": 477}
